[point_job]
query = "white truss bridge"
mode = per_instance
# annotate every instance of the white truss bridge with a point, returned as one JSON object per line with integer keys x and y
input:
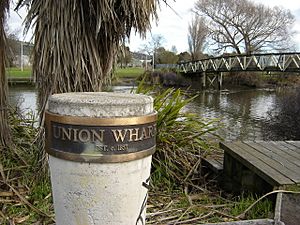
{"x": 284, "y": 62}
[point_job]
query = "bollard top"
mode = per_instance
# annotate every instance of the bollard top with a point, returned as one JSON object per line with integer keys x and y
{"x": 100, "y": 127}
{"x": 100, "y": 104}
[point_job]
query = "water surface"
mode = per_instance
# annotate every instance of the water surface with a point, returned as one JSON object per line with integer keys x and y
{"x": 245, "y": 114}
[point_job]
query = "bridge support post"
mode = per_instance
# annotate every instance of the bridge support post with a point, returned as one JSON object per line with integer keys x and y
{"x": 220, "y": 80}
{"x": 203, "y": 80}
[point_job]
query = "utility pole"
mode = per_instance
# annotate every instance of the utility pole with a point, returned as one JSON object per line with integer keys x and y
{"x": 153, "y": 60}
{"x": 21, "y": 58}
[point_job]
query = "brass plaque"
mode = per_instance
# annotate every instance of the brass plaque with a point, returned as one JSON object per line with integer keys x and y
{"x": 100, "y": 140}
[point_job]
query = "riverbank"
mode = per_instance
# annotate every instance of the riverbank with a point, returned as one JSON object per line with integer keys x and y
{"x": 128, "y": 72}
{"x": 262, "y": 79}
{"x": 180, "y": 191}
{"x": 26, "y": 198}
{"x": 172, "y": 78}
{"x": 129, "y": 76}
{"x": 122, "y": 76}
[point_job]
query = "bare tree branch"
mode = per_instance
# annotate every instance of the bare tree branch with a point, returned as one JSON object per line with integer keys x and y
{"x": 197, "y": 37}
{"x": 247, "y": 26}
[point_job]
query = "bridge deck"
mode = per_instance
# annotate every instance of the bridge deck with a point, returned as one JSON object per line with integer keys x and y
{"x": 277, "y": 163}
{"x": 284, "y": 62}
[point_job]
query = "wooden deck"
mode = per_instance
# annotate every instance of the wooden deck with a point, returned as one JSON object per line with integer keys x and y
{"x": 276, "y": 163}
{"x": 214, "y": 163}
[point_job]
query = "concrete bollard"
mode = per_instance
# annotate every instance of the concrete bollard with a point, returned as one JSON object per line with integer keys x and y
{"x": 100, "y": 147}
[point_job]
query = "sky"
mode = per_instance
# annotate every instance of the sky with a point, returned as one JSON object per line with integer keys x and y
{"x": 174, "y": 26}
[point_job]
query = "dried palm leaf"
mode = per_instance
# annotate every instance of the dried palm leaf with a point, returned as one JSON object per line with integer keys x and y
{"x": 76, "y": 42}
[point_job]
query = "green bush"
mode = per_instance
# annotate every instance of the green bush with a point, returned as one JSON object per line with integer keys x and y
{"x": 181, "y": 140}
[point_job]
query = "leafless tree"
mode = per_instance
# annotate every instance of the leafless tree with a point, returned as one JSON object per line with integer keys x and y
{"x": 247, "y": 27}
{"x": 197, "y": 36}
{"x": 155, "y": 42}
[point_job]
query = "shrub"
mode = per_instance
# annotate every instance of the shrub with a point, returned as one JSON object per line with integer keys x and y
{"x": 181, "y": 139}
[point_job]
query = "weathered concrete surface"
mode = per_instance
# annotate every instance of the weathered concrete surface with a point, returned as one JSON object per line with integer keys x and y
{"x": 109, "y": 193}
{"x": 100, "y": 104}
{"x": 288, "y": 209}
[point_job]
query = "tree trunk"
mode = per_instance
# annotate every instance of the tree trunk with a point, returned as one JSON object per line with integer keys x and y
{"x": 4, "y": 126}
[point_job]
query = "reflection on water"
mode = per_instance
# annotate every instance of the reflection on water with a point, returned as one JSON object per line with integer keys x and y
{"x": 244, "y": 113}
{"x": 24, "y": 97}
{"x": 122, "y": 89}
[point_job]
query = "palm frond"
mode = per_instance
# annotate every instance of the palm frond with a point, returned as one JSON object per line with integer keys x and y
{"x": 76, "y": 42}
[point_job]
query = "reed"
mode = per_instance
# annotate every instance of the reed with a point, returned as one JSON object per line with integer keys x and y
{"x": 182, "y": 138}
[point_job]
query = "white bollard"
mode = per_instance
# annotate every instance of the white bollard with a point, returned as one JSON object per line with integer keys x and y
{"x": 100, "y": 147}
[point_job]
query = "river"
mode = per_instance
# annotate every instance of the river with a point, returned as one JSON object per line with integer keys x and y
{"x": 244, "y": 114}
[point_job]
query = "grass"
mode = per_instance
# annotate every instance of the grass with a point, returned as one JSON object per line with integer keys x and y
{"x": 14, "y": 72}
{"x": 261, "y": 210}
{"x": 129, "y": 72}
{"x": 24, "y": 199}
{"x": 202, "y": 206}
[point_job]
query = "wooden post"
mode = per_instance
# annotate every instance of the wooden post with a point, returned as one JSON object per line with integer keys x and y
{"x": 204, "y": 80}
{"x": 220, "y": 80}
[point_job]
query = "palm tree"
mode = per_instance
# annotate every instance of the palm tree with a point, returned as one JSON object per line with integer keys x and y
{"x": 76, "y": 41}
{"x": 4, "y": 127}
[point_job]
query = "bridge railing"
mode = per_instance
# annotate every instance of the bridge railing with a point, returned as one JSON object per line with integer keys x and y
{"x": 259, "y": 62}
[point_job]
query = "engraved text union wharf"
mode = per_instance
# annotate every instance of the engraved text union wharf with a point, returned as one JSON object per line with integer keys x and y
{"x": 98, "y": 134}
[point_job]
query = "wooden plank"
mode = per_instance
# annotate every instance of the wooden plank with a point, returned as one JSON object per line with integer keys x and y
{"x": 247, "y": 157}
{"x": 278, "y": 153}
{"x": 296, "y": 144}
{"x": 277, "y": 159}
{"x": 290, "y": 209}
{"x": 286, "y": 153}
{"x": 288, "y": 148}
{"x": 216, "y": 165}
{"x": 268, "y": 161}
{"x": 292, "y": 147}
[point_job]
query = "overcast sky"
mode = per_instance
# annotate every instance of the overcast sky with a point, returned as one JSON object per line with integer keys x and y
{"x": 174, "y": 28}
